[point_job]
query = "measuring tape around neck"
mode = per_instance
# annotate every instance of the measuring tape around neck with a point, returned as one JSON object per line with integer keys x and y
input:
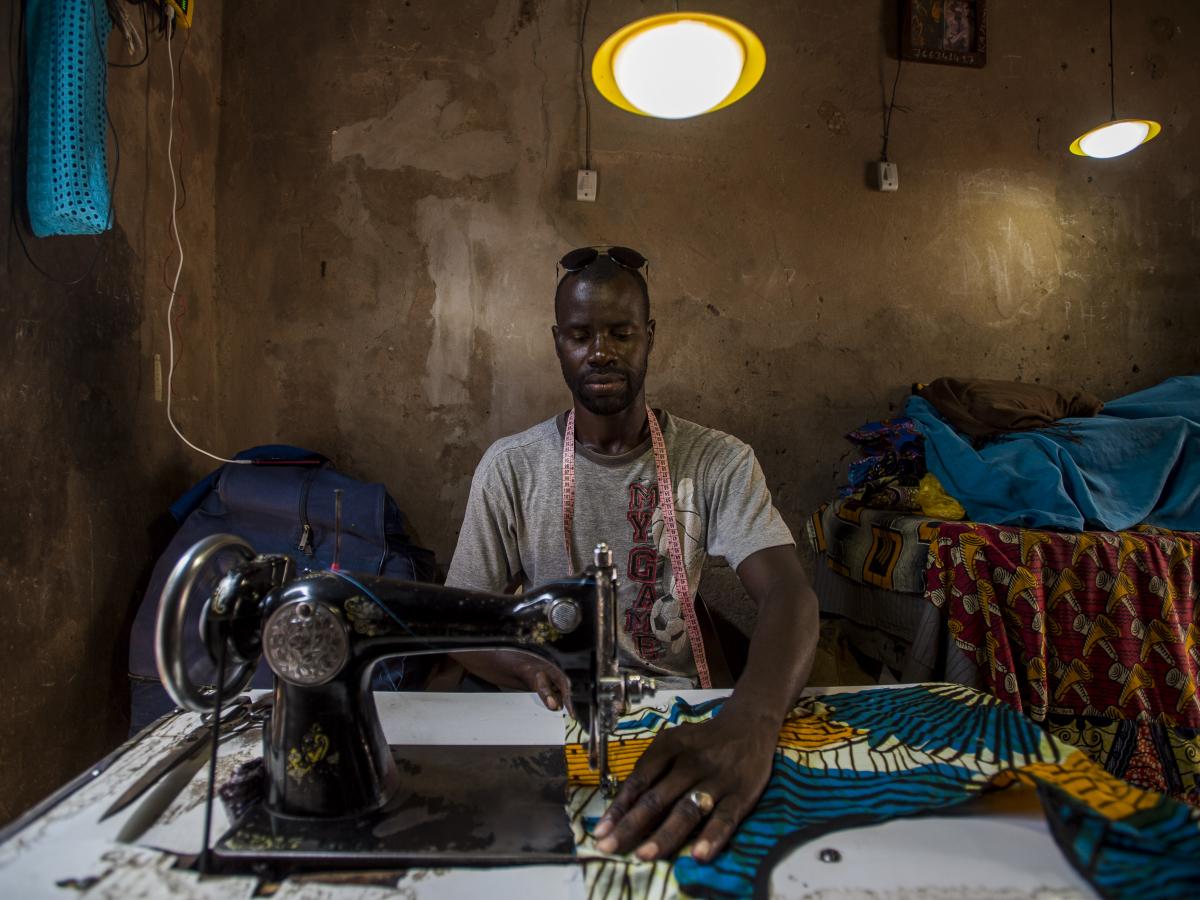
{"x": 666, "y": 505}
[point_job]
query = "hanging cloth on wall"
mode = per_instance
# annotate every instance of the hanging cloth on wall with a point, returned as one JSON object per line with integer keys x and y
{"x": 67, "y": 172}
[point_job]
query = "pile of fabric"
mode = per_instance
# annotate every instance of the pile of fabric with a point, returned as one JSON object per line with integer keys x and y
{"x": 1010, "y": 453}
{"x": 890, "y": 471}
{"x": 1071, "y": 587}
{"x": 1040, "y": 458}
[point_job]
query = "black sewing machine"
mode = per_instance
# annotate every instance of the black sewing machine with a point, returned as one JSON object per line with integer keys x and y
{"x": 336, "y": 793}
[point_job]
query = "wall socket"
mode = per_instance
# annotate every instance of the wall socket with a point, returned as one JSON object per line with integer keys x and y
{"x": 887, "y": 176}
{"x": 585, "y": 185}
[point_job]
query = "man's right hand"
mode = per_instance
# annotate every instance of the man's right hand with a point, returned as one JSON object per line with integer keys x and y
{"x": 521, "y": 672}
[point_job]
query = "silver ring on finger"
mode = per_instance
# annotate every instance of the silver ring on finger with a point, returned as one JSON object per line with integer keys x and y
{"x": 702, "y": 800}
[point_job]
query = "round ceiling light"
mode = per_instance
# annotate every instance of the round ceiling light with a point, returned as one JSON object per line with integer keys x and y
{"x": 678, "y": 65}
{"x": 1115, "y": 138}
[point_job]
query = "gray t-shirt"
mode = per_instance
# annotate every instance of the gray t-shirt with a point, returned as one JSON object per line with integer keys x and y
{"x": 513, "y": 528}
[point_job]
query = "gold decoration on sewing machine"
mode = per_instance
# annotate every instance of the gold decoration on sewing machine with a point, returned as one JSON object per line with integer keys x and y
{"x": 264, "y": 842}
{"x": 544, "y": 633}
{"x": 312, "y": 750}
{"x": 366, "y": 618}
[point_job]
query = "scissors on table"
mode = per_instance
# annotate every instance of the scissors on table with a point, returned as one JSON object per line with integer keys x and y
{"x": 241, "y": 715}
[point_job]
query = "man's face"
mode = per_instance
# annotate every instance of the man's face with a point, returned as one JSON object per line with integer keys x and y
{"x": 603, "y": 341}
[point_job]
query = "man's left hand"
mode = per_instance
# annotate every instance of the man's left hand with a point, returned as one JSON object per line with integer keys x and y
{"x": 728, "y": 758}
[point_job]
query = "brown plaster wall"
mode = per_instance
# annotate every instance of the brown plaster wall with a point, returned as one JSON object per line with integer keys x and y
{"x": 393, "y": 184}
{"x": 397, "y": 183}
{"x": 88, "y": 464}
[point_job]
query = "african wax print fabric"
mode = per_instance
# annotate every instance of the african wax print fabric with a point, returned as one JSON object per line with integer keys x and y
{"x": 1094, "y": 634}
{"x": 877, "y": 547}
{"x": 851, "y": 759}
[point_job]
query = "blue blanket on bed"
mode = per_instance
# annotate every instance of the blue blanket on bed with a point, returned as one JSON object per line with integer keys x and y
{"x": 1138, "y": 461}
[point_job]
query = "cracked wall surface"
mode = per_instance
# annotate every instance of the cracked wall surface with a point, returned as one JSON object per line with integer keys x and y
{"x": 372, "y": 261}
{"x": 397, "y": 184}
{"x": 90, "y": 463}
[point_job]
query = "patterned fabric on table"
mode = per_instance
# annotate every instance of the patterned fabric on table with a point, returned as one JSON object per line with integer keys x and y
{"x": 1094, "y": 634}
{"x": 852, "y": 759}
{"x": 881, "y": 548}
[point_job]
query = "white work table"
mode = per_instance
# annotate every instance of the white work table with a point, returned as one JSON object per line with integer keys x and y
{"x": 997, "y": 847}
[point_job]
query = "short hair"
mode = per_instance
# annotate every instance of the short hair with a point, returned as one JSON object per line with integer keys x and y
{"x": 603, "y": 269}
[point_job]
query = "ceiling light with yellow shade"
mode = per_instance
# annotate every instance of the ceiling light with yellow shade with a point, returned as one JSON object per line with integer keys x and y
{"x": 678, "y": 65}
{"x": 1117, "y": 136}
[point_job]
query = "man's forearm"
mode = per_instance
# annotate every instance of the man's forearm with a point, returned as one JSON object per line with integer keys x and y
{"x": 519, "y": 671}
{"x": 494, "y": 667}
{"x": 782, "y": 648}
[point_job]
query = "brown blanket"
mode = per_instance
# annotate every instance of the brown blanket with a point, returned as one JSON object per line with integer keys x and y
{"x": 983, "y": 408}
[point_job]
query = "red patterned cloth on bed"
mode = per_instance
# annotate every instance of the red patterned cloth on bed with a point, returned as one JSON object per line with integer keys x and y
{"x": 1094, "y": 634}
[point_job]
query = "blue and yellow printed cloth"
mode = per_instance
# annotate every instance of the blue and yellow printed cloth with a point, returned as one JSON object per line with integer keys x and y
{"x": 850, "y": 759}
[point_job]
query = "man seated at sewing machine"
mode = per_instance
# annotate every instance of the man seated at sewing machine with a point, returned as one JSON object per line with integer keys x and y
{"x": 541, "y": 499}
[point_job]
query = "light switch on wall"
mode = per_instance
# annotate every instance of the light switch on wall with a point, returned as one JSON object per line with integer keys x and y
{"x": 585, "y": 185}
{"x": 889, "y": 176}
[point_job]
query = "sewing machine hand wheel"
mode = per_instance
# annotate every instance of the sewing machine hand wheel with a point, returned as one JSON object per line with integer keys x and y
{"x": 172, "y": 620}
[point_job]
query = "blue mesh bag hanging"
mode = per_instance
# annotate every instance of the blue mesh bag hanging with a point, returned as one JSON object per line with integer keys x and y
{"x": 67, "y": 177}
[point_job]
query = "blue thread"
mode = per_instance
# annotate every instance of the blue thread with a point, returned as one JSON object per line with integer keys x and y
{"x": 369, "y": 594}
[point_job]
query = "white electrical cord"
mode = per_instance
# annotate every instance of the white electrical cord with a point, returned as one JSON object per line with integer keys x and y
{"x": 179, "y": 245}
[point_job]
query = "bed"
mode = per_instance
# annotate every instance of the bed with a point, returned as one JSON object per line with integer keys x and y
{"x": 1092, "y": 632}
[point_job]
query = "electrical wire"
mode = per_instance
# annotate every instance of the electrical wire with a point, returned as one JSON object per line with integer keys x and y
{"x": 169, "y": 258}
{"x": 587, "y": 106}
{"x": 1112, "y": 69}
{"x": 887, "y": 121}
{"x": 179, "y": 267}
{"x": 187, "y": 41}
{"x": 19, "y": 77}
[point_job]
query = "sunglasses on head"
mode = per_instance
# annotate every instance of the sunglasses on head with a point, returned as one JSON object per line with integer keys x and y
{"x": 579, "y": 259}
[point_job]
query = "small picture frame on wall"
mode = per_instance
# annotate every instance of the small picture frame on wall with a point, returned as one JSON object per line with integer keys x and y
{"x": 951, "y": 32}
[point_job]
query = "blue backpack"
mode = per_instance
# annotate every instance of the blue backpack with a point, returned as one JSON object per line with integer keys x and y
{"x": 283, "y": 503}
